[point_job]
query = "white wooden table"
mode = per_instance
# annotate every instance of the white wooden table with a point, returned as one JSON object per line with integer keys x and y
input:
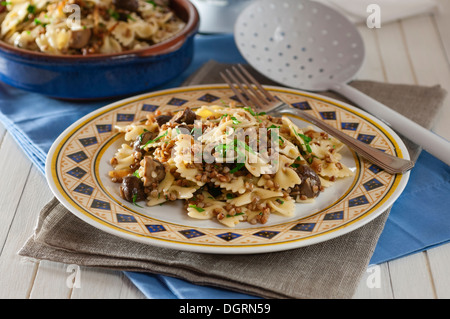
{"x": 412, "y": 51}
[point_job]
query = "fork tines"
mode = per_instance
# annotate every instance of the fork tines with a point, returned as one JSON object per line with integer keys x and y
{"x": 250, "y": 90}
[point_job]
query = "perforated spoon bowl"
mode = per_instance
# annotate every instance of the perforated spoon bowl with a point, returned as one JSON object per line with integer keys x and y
{"x": 307, "y": 45}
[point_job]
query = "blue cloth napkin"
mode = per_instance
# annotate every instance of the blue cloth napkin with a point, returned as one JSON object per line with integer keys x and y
{"x": 420, "y": 218}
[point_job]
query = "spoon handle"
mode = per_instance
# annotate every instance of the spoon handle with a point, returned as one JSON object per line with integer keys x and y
{"x": 434, "y": 144}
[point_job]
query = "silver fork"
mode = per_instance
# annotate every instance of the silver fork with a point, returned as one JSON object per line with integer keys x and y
{"x": 252, "y": 93}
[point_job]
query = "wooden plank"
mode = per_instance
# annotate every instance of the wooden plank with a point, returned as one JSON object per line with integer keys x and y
{"x": 429, "y": 61}
{"x": 375, "y": 283}
{"x": 14, "y": 171}
{"x": 372, "y": 68}
{"x": 394, "y": 54}
{"x": 51, "y": 281}
{"x": 411, "y": 278}
{"x": 104, "y": 284}
{"x": 20, "y": 273}
{"x": 431, "y": 65}
{"x": 441, "y": 17}
{"x": 439, "y": 260}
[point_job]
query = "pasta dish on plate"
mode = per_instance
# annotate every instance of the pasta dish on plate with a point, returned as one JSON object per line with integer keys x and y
{"x": 85, "y": 27}
{"x": 228, "y": 163}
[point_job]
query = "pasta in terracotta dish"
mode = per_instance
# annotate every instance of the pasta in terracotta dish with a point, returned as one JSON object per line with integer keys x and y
{"x": 228, "y": 163}
{"x": 71, "y": 27}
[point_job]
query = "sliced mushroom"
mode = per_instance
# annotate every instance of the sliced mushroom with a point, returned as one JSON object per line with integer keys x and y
{"x": 129, "y": 5}
{"x": 310, "y": 185}
{"x": 142, "y": 139}
{"x": 132, "y": 189}
{"x": 153, "y": 171}
{"x": 80, "y": 38}
{"x": 162, "y": 3}
{"x": 163, "y": 119}
{"x": 187, "y": 116}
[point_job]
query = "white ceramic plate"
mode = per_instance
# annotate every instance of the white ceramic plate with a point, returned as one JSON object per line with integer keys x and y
{"x": 78, "y": 164}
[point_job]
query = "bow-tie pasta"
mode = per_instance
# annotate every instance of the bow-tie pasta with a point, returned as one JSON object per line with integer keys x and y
{"x": 227, "y": 163}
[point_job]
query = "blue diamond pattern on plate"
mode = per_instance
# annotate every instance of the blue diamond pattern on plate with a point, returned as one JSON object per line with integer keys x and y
{"x": 302, "y": 105}
{"x": 124, "y": 218}
{"x": 266, "y": 234}
{"x": 304, "y": 227}
{"x": 349, "y": 126}
{"x": 375, "y": 169}
{"x": 360, "y": 200}
{"x": 78, "y": 156}
{"x": 104, "y": 128}
{"x": 125, "y": 117}
{"x": 234, "y": 97}
{"x": 155, "y": 228}
{"x": 99, "y": 204}
{"x": 328, "y": 115}
{"x": 149, "y": 107}
{"x": 84, "y": 189}
{"x": 176, "y": 101}
{"x": 191, "y": 233}
{"x": 208, "y": 98}
{"x": 334, "y": 216}
{"x": 366, "y": 138}
{"x": 372, "y": 184}
{"x": 77, "y": 172}
{"x": 87, "y": 141}
{"x": 228, "y": 236}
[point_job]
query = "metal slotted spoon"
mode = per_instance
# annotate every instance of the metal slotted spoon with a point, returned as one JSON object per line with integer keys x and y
{"x": 307, "y": 45}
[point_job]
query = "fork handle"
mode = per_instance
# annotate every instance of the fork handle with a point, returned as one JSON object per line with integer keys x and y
{"x": 391, "y": 164}
{"x": 434, "y": 144}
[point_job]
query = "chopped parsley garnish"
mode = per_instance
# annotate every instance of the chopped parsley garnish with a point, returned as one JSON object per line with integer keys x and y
{"x": 237, "y": 168}
{"x": 234, "y": 119}
{"x": 136, "y": 173}
{"x": 142, "y": 134}
{"x": 31, "y": 9}
{"x": 196, "y": 130}
{"x": 156, "y": 139}
{"x": 230, "y": 196}
{"x": 134, "y": 201}
{"x": 151, "y": 2}
{"x": 199, "y": 209}
{"x": 247, "y": 148}
{"x": 114, "y": 14}
{"x": 248, "y": 109}
{"x": 306, "y": 139}
{"x": 5, "y": 3}
{"x": 38, "y": 22}
{"x": 280, "y": 201}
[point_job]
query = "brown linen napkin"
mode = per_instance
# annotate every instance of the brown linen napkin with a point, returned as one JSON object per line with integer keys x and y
{"x": 331, "y": 269}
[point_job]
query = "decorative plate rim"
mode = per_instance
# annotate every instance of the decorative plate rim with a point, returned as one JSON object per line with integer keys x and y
{"x": 388, "y": 199}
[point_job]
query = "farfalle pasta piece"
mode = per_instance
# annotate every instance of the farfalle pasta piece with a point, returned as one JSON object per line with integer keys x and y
{"x": 110, "y": 45}
{"x": 232, "y": 221}
{"x": 16, "y": 15}
{"x": 338, "y": 170}
{"x": 184, "y": 159}
{"x": 286, "y": 176}
{"x": 207, "y": 211}
{"x": 258, "y": 193}
{"x": 123, "y": 33}
{"x": 235, "y": 185}
{"x": 282, "y": 206}
{"x": 132, "y": 131}
{"x": 123, "y": 158}
{"x": 250, "y": 181}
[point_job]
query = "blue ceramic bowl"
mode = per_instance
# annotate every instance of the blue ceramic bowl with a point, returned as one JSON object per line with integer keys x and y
{"x": 103, "y": 75}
